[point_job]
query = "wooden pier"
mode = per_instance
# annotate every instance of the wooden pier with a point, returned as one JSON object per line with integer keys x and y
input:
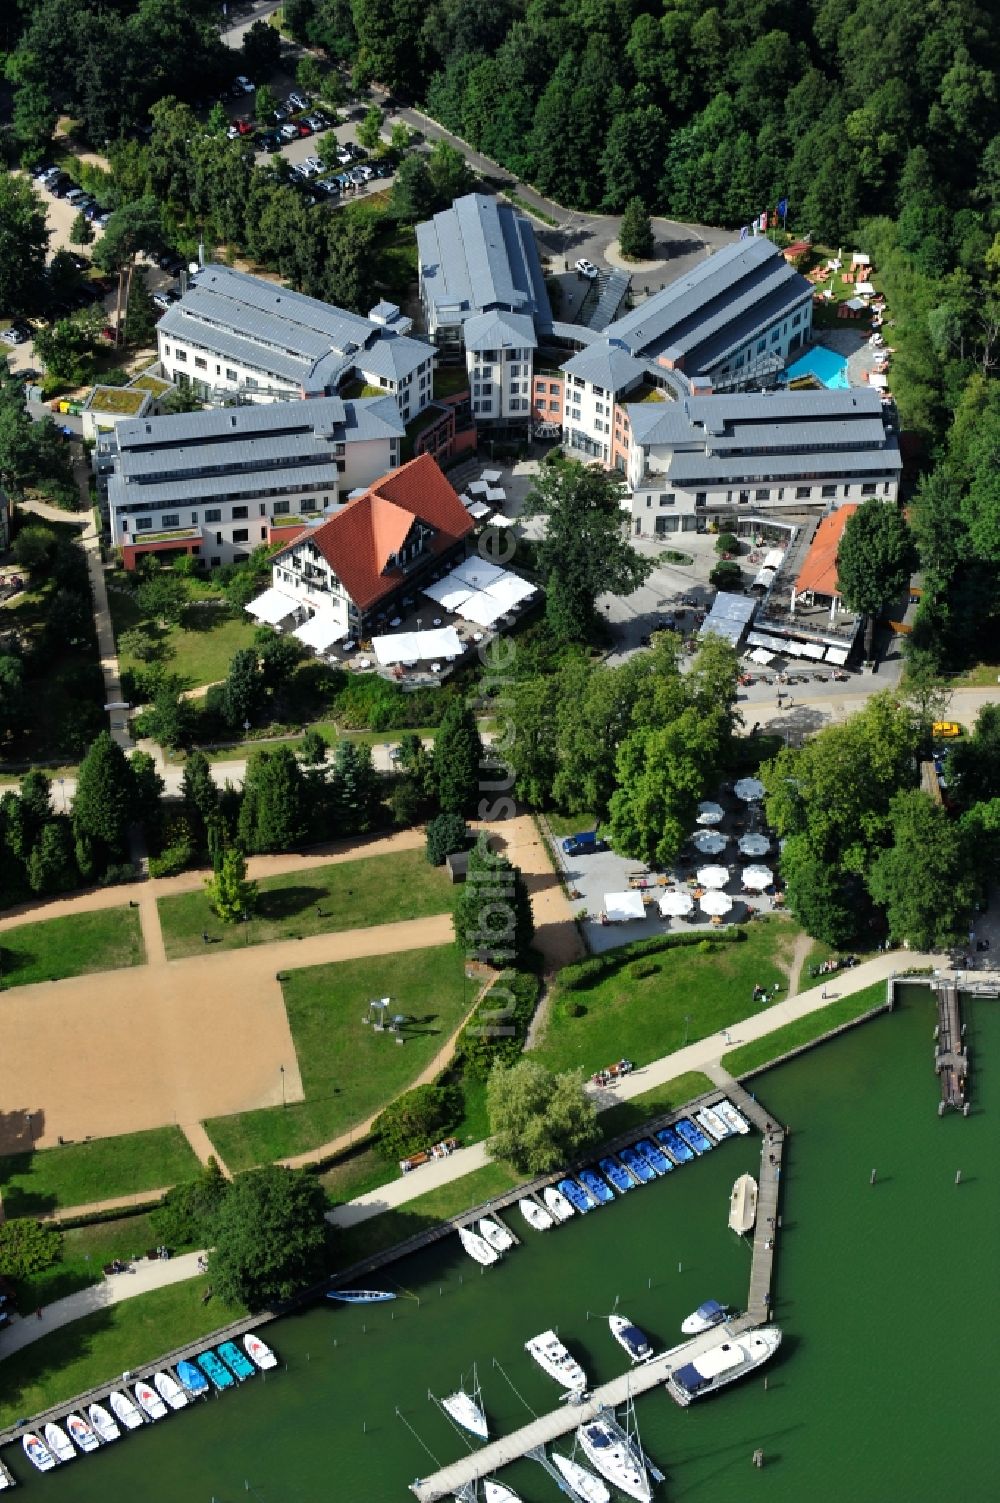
{"x": 951, "y": 1059}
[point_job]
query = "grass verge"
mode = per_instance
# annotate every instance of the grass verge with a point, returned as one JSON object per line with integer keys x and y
{"x": 54, "y": 1178}
{"x": 803, "y": 1031}
{"x": 85, "y": 1251}
{"x": 106, "y": 940}
{"x": 653, "y": 1103}
{"x": 375, "y": 1235}
{"x": 320, "y": 900}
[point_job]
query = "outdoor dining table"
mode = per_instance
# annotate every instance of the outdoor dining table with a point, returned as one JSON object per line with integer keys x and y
{"x": 491, "y": 476}
{"x": 437, "y": 620}
{"x": 396, "y": 621}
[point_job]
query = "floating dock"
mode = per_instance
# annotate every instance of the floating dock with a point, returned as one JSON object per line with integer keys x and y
{"x": 951, "y": 1058}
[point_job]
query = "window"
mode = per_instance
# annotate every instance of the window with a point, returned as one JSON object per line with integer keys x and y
{"x": 775, "y": 335}
{"x": 214, "y": 561}
{"x": 762, "y": 495}
{"x": 230, "y": 374}
{"x": 802, "y": 492}
{"x": 200, "y": 363}
{"x": 263, "y": 508}
{"x": 240, "y": 513}
{"x": 181, "y": 355}
{"x": 214, "y": 514}
{"x": 241, "y": 535}
{"x": 218, "y": 537}
{"x": 649, "y": 501}
{"x": 282, "y": 508}
{"x": 744, "y": 497}
{"x": 700, "y": 498}
{"x": 761, "y": 343}
{"x": 554, "y": 388}
{"x": 194, "y": 519}
{"x": 218, "y": 370}
{"x": 166, "y": 349}
{"x": 868, "y": 489}
{"x": 828, "y": 492}
{"x": 263, "y": 534}
{"x": 170, "y": 519}
{"x": 796, "y": 319}
{"x": 667, "y": 498}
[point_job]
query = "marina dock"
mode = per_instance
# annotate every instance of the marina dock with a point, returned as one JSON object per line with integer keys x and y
{"x": 951, "y": 1058}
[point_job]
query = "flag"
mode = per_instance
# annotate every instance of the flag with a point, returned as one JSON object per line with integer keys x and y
{"x": 745, "y": 232}
{"x": 783, "y": 207}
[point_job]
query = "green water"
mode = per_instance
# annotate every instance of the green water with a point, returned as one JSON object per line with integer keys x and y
{"x": 882, "y": 1389}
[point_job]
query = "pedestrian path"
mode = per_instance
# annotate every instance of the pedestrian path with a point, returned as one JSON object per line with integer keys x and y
{"x": 203, "y": 1146}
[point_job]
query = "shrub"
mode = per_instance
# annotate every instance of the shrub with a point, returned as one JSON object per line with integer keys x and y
{"x": 706, "y": 947}
{"x": 587, "y": 973}
{"x": 417, "y": 1119}
{"x": 445, "y": 833}
{"x": 118, "y": 873}
{"x": 186, "y": 1215}
{"x": 639, "y": 969}
{"x": 726, "y": 576}
{"x": 727, "y": 542}
{"x": 499, "y": 1026}
{"x": 173, "y": 859}
{"x": 574, "y": 1009}
{"x": 28, "y": 1247}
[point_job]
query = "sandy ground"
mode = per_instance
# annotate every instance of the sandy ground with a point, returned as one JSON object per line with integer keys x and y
{"x": 556, "y": 935}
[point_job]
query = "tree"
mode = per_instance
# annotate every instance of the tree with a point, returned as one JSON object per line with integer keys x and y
{"x": 24, "y": 239}
{"x": 356, "y": 788}
{"x": 450, "y": 174}
{"x": 493, "y": 918}
{"x": 147, "y": 789}
{"x": 261, "y": 50}
{"x": 726, "y": 575}
{"x": 458, "y": 753}
{"x": 52, "y": 864}
{"x": 538, "y": 1120}
{"x": 139, "y": 642}
{"x": 243, "y": 691}
{"x": 28, "y": 1247}
{"x": 662, "y": 774}
{"x": 270, "y": 1236}
{"x": 828, "y": 902}
{"x": 81, "y": 231}
{"x": 34, "y": 548}
{"x": 875, "y": 561}
{"x": 187, "y": 1214}
{"x": 201, "y": 798}
{"x": 273, "y": 814}
{"x": 162, "y": 597}
{"x": 417, "y": 1119}
{"x": 585, "y": 551}
{"x": 264, "y": 105}
{"x": 445, "y": 834}
{"x": 635, "y": 238}
{"x": 141, "y": 315}
{"x": 232, "y": 897}
{"x": 413, "y": 196}
{"x": 104, "y": 803}
{"x": 370, "y": 128}
{"x": 67, "y": 349}
{"x": 313, "y": 748}
{"x": 926, "y": 880}
{"x": 12, "y": 693}
{"x": 974, "y": 763}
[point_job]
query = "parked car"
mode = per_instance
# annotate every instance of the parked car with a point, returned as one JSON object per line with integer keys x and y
{"x": 297, "y": 101}
{"x": 311, "y": 166}
{"x": 945, "y": 730}
{"x": 61, "y": 186}
{"x": 584, "y": 844}
{"x": 270, "y": 142}
{"x": 304, "y": 129}
{"x": 329, "y": 185}
{"x": 587, "y": 269}
{"x": 161, "y": 301}
{"x": 242, "y": 84}
{"x": 317, "y": 120}
{"x": 289, "y": 132}
{"x": 14, "y": 336}
{"x": 383, "y": 169}
{"x": 74, "y": 196}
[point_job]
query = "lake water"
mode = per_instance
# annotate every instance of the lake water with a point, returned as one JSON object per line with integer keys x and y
{"x": 881, "y": 1390}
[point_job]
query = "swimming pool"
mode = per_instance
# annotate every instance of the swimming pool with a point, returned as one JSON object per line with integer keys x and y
{"x": 826, "y": 365}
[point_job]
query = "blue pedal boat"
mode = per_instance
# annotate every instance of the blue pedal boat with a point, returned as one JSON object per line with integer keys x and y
{"x": 237, "y": 1360}
{"x": 654, "y": 1156}
{"x": 579, "y": 1198}
{"x": 215, "y": 1370}
{"x": 678, "y": 1150}
{"x": 694, "y": 1136}
{"x": 592, "y": 1181}
{"x": 637, "y": 1163}
{"x": 192, "y": 1379}
{"x": 616, "y": 1172}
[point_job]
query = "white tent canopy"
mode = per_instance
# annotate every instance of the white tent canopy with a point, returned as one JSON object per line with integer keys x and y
{"x": 477, "y": 573}
{"x": 414, "y": 646}
{"x": 713, "y": 876}
{"x": 496, "y": 493}
{"x": 761, "y": 656}
{"x": 709, "y": 813}
{"x": 510, "y": 589}
{"x": 481, "y": 608}
{"x": 715, "y": 903}
{"x": 320, "y": 630}
{"x": 676, "y": 904}
{"x": 836, "y": 655}
{"x": 754, "y": 845}
{"x": 749, "y": 789}
{"x": 492, "y": 476}
{"x": 273, "y": 606}
{"x": 709, "y": 842}
{"x": 757, "y": 877}
{"x": 448, "y": 592}
{"x": 479, "y": 509}
{"x": 620, "y": 906}
{"x": 478, "y": 488}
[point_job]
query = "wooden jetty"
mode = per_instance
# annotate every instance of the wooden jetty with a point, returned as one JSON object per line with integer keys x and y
{"x": 951, "y": 1058}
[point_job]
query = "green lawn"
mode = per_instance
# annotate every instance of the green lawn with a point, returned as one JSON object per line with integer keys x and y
{"x": 346, "y": 895}
{"x": 99, "y": 1348}
{"x": 85, "y": 1251}
{"x": 331, "y": 733}
{"x": 663, "y": 1098}
{"x": 570, "y": 824}
{"x": 690, "y": 996}
{"x": 348, "y": 1070}
{"x": 802, "y": 1031}
{"x": 105, "y": 940}
{"x": 55, "y": 1178}
{"x": 199, "y": 649}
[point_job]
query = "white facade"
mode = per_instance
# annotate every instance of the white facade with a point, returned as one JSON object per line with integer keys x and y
{"x": 500, "y": 383}
{"x": 303, "y": 573}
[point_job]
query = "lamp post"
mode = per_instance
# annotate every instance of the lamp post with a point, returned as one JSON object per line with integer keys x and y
{"x": 282, "y": 1069}
{"x": 687, "y": 1020}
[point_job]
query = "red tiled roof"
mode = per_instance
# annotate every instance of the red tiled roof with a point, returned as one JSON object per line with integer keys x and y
{"x": 358, "y": 541}
{"x": 819, "y": 567}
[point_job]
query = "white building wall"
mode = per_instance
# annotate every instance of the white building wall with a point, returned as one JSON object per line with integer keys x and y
{"x": 666, "y": 500}
{"x": 185, "y": 362}
{"x": 500, "y": 384}
{"x": 589, "y": 413}
{"x": 312, "y": 582}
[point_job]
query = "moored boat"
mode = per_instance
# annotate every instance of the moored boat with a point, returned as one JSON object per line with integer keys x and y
{"x": 637, "y": 1163}
{"x": 675, "y": 1146}
{"x": 81, "y": 1433}
{"x": 733, "y": 1119}
{"x": 477, "y": 1247}
{"x": 496, "y": 1234}
{"x": 731, "y": 1358}
{"x": 553, "y": 1358}
{"x": 584, "y": 1484}
{"x": 238, "y": 1360}
{"x": 654, "y": 1156}
{"x": 711, "y": 1123}
{"x": 193, "y": 1379}
{"x": 259, "y": 1351}
{"x": 596, "y": 1186}
{"x": 693, "y": 1136}
{"x": 125, "y": 1412}
{"x": 711, "y": 1313}
{"x": 621, "y": 1178}
{"x": 104, "y": 1426}
{"x": 170, "y": 1390}
{"x": 360, "y": 1296}
{"x": 38, "y": 1452}
{"x": 630, "y": 1338}
{"x": 215, "y": 1371}
{"x": 577, "y": 1195}
{"x": 615, "y": 1458}
{"x": 58, "y": 1442}
{"x": 555, "y": 1201}
{"x": 466, "y": 1412}
{"x": 537, "y": 1217}
{"x": 149, "y": 1401}
{"x": 743, "y": 1204}
{"x": 496, "y": 1492}
{"x": 6, "y": 1477}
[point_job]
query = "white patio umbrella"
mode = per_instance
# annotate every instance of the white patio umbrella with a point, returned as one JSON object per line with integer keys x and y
{"x": 754, "y": 845}
{"x": 715, "y": 904}
{"x": 709, "y": 813}
{"x": 757, "y": 877}
{"x": 749, "y": 789}
{"x": 710, "y": 842}
{"x": 713, "y": 876}
{"x": 676, "y": 904}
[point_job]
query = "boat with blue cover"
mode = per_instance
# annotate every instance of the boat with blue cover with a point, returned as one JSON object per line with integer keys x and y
{"x": 621, "y": 1178}
{"x": 634, "y": 1341}
{"x": 360, "y": 1296}
{"x": 675, "y": 1146}
{"x": 215, "y": 1370}
{"x": 693, "y": 1136}
{"x": 237, "y": 1360}
{"x": 578, "y": 1196}
{"x": 193, "y": 1380}
{"x": 637, "y": 1163}
{"x": 710, "y": 1314}
{"x": 654, "y": 1156}
{"x": 592, "y": 1181}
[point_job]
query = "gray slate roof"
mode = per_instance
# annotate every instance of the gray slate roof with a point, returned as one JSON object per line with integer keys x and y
{"x": 768, "y": 420}
{"x": 222, "y": 422}
{"x": 208, "y": 488}
{"x": 394, "y": 357}
{"x": 499, "y": 331}
{"x": 605, "y": 365}
{"x": 481, "y": 254}
{"x": 689, "y": 467}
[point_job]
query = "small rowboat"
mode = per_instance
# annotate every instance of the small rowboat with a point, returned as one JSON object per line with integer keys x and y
{"x": 259, "y": 1351}
{"x": 557, "y": 1203}
{"x": 125, "y": 1411}
{"x": 149, "y": 1400}
{"x": 237, "y": 1360}
{"x": 80, "y": 1432}
{"x": 537, "y": 1217}
{"x": 38, "y": 1452}
{"x": 104, "y": 1426}
{"x": 193, "y": 1378}
{"x": 215, "y": 1370}
{"x": 360, "y": 1296}
{"x": 170, "y": 1391}
{"x": 58, "y": 1443}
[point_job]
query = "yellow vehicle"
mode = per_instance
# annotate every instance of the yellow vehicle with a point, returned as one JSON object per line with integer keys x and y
{"x": 945, "y": 730}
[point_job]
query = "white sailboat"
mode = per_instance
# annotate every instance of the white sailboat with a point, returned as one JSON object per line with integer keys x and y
{"x": 496, "y": 1234}
{"x": 616, "y": 1459}
{"x": 466, "y": 1409}
{"x": 477, "y": 1248}
{"x": 495, "y": 1492}
{"x": 586, "y": 1486}
{"x": 556, "y": 1202}
{"x": 553, "y": 1358}
{"x": 537, "y": 1217}
{"x": 103, "y": 1424}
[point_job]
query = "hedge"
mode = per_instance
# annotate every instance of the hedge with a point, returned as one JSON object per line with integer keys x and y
{"x": 496, "y": 1031}
{"x": 587, "y": 973}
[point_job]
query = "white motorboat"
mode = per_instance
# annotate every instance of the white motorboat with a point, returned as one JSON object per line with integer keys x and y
{"x": 537, "y": 1217}
{"x": 553, "y": 1358}
{"x": 58, "y": 1443}
{"x": 743, "y": 1204}
{"x": 495, "y": 1492}
{"x": 149, "y": 1401}
{"x": 556, "y": 1202}
{"x": 710, "y": 1314}
{"x": 732, "y": 1357}
{"x": 82, "y": 1433}
{"x": 733, "y": 1119}
{"x": 259, "y": 1351}
{"x": 170, "y": 1391}
{"x": 466, "y": 1412}
{"x": 630, "y": 1338}
{"x": 615, "y": 1458}
{"x": 496, "y": 1234}
{"x": 6, "y": 1478}
{"x": 104, "y": 1426}
{"x": 584, "y": 1484}
{"x": 709, "y": 1121}
{"x": 477, "y": 1248}
{"x": 38, "y": 1452}
{"x": 124, "y": 1411}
